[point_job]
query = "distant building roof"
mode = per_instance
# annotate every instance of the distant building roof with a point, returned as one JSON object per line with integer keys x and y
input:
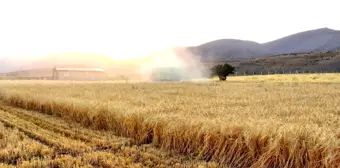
{"x": 80, "y": 69}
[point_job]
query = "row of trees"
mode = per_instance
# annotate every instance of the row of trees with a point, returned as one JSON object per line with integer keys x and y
{"x": 224, "y": 70}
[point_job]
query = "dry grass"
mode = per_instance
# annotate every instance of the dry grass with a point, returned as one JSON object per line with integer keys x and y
{"x": 29, "y": 139}
{"x": 310, "y": 78}
{"x": 237, "y": 124}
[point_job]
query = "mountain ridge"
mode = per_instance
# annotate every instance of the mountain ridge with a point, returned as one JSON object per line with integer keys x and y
{"x": 322, "y": 39}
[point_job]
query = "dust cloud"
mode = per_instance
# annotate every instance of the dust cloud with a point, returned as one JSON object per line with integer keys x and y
{"x": 172, "y": 63}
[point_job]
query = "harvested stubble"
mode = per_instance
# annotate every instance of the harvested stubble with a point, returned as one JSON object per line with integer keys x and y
{"x": 235, "y": 124}
{"x": 32, "y": 140}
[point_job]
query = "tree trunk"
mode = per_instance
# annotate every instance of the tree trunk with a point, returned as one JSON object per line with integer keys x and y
{"x": 222, "y": 78}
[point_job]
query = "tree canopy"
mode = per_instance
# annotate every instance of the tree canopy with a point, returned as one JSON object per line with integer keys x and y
{"x": 222, "y": 71}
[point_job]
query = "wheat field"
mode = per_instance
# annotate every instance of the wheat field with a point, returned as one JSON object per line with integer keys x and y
{"x": 255, "y": 121}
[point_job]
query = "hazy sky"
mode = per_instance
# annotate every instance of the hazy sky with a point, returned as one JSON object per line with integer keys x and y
{"x": 135, "y": 28}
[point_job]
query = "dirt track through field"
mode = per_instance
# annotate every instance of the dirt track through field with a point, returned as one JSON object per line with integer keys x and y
{"x": 49, "y": 141}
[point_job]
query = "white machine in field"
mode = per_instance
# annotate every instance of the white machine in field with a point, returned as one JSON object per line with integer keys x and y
{"x": 168, "y": 74}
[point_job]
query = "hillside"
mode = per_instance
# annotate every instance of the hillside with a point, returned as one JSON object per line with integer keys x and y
{"x": 56, "y": 60}
{"x": 297, "y": 62}
{"x": 12, "y": 64}
{"x": 236, "y": 51}
{"x": 71, "y": 59}
{"x": 324, "y": 39}
{"x": 43, "y": 67}
{"x": 313, "y": 40}
{"x": 230, "y": 48}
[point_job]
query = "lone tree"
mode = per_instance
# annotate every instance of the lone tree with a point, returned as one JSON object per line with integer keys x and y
{"x": 222, "y": 71}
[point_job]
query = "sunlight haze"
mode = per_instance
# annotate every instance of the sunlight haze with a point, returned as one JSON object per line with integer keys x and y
{"x": 133, "y": 29}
